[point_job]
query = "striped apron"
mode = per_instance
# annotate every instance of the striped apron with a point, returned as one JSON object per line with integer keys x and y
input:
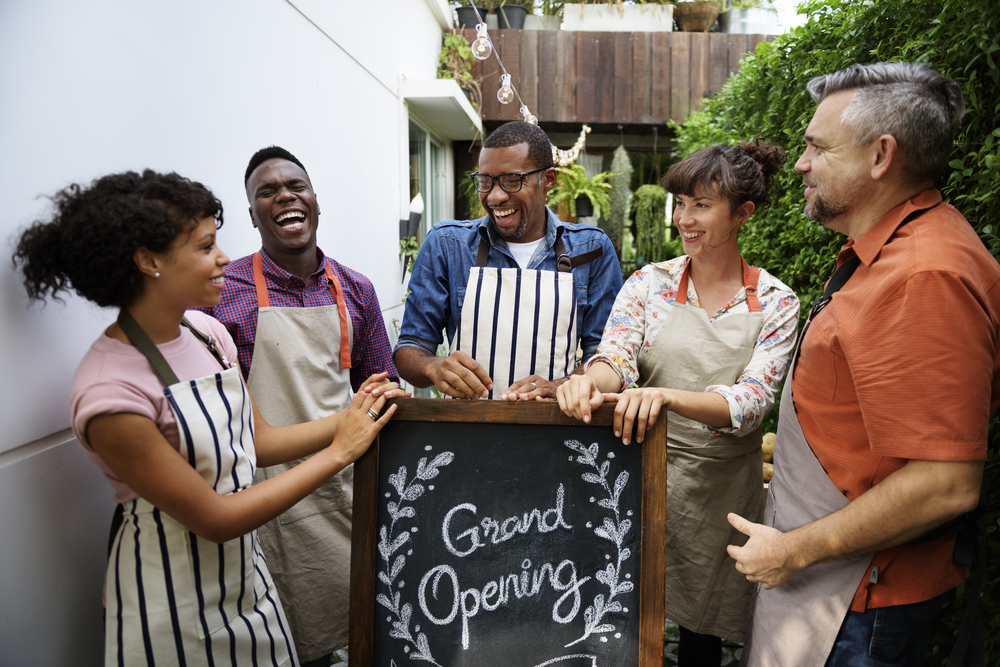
{"x": 521, "y": 322}
{"x": 301, "y": 372}
{"x": 174, "y": 598}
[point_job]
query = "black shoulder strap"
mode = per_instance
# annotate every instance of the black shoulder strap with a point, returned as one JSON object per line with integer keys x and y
{"x": 143, "y": 343}
{"x": 567, "y": 263}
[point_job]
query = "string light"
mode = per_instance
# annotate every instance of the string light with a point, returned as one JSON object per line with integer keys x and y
{"x": 482, "y": 47}
{"x": 506, "y": 93}
{"x": 527, "y": 116}
{"x": 563, "y": 158}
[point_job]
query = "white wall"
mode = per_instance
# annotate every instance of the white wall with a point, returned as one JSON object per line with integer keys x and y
{"x": 88, "y": 88}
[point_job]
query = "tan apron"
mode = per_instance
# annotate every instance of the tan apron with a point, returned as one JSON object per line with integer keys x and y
{"x": 796, "y": 624}
{"x": 708, "y": 475}
{"x": 520, "y": 322}
{"x": 294, "y": 378}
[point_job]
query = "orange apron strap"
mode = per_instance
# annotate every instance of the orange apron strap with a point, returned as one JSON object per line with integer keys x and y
{"x": 751, "y": 274}
{"x": 682, "y": 286}
{"x": 338, "y": 296}
{"x": 258, "y": 281}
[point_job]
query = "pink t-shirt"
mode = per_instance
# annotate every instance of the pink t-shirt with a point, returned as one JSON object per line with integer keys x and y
{"x": 114, "y": 377}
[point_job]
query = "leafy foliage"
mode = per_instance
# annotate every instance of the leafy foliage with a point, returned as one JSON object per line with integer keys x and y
{"x": 573, "y": 182}
{"x": 768, "y": 98}
{"x": 650, "y": 203}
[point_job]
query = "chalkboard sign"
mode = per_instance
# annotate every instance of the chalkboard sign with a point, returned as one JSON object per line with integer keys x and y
{"x": 494, "y": 533}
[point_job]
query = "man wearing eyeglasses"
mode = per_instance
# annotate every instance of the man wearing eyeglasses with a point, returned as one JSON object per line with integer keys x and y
{"x": 518, "y": 291}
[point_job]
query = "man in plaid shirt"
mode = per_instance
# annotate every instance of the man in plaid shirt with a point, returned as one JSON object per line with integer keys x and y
{"x": 309, "y": 332}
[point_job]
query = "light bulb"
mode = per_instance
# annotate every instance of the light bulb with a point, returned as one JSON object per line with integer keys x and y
{"x": 481, "y": 46}
{"x": 527, "y": 116}
{"x": 506, "y": 93}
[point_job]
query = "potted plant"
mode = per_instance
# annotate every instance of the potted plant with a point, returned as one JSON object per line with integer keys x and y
{"x": 467, "y": 15}
{"x": 749, "y": 17}
{"x": 456, "y": 63}
{"x": 697, "y": 16}
{"x": 575, "y": 190}
{"x": 510, "y": 13}
{"x": 546, "y": 15}
{"x": 615, "y": 16}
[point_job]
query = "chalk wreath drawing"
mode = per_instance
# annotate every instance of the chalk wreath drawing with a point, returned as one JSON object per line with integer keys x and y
{"x": 389, "y": 543}
{"x": 613, "y": 531}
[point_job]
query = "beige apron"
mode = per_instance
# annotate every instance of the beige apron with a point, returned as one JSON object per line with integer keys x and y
{"x": 796, "y": 624}
{"x": 520, "y": 322}
{"x": 294, "y": 378}
{"x": 708, "y": 475}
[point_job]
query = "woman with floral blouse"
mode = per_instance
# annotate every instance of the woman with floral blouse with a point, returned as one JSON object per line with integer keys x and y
{"x": 707, "y": 339}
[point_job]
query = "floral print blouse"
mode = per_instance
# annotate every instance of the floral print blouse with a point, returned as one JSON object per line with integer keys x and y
{"x": 645, "y": 302}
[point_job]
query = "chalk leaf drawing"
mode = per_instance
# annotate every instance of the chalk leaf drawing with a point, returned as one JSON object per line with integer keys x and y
{"x": 614, "y": 529}
{"x": 390, "y": 542}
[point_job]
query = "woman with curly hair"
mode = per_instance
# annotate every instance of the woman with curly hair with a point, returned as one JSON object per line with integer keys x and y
{"x": 706, "y": 338}
{"x": 168, "y": 420}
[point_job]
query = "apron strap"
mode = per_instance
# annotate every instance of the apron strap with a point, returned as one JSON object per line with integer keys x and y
{"x": 335, "y": 289}
{"x": 143, "y": 343}
{"x": 149, "y": 350}
{"x": 751, "y": 274}
{"x": 564, "y": 263}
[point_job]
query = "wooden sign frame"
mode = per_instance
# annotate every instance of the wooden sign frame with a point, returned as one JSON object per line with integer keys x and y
{"x": 653, "y": 523}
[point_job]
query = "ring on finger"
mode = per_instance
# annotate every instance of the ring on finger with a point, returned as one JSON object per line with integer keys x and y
{"x": 373, "y": 414}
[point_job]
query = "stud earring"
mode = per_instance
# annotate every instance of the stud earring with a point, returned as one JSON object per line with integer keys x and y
{"x": 156, "y": 274}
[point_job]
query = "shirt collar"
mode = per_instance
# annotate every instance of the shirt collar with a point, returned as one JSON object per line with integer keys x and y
{"x": 871, "y": 244}
{"x": 552, "y": 223}
{"x": 282, "y": 277}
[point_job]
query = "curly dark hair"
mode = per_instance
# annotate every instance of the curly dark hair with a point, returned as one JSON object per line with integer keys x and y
{"x": 740, "y": 173}
{"x": 518, "y": 132}
{"x": 269, "y": 153}
{"x": 89, "y": 243}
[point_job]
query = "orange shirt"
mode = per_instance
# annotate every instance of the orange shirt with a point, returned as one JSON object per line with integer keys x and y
{"x": 903, "y": 364}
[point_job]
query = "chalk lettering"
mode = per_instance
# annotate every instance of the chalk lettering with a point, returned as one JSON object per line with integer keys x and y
{"x": 470, "y": 601}
{"x": 470, "y": 539}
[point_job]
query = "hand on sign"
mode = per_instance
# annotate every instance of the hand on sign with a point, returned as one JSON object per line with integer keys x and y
{"x": 638, "y": 407}
{"x": 379, "y": 385}
{"x": 578, "y": 396}
{"x": 765, "y": 557}
{"x": 459, "y": 376}
{"x": 530, "y": 388}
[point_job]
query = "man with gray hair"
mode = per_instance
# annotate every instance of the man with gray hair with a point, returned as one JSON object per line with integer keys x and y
{"x": 883, "y": 428}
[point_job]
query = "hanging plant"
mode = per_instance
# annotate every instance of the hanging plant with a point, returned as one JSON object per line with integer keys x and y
{"x": 573, "y": 182}
{"x": 650, "y": 206}
{"x": 614, "y": 224}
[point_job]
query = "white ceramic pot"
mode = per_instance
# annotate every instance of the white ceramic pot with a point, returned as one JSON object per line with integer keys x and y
{"x": 627, "y": 18}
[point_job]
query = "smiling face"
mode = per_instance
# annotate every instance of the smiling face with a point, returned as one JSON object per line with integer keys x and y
{"x": 836, "y": 173}
{"x": 283, "y": 208}
{"x": 517, "y": 217}
{"x": 191, "y": 271}
{"x": 707, "y": 224}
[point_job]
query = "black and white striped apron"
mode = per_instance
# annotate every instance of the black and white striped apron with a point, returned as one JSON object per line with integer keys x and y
{"x": 520, "y": 322}
{"x": 174, "y": 598}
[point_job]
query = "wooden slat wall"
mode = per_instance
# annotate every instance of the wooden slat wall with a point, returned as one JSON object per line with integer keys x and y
{"x": 603, "y": 77}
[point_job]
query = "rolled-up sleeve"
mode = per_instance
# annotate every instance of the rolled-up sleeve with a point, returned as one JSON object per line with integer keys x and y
{"x": 753, "y": 394}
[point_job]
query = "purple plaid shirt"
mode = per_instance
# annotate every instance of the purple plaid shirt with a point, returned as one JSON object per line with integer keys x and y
{"x": 370, "y": 349}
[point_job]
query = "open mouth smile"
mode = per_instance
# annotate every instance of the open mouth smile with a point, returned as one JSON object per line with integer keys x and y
{"x": 291, "y": 220}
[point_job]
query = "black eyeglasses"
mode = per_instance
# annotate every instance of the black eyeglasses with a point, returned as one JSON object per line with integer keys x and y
{"x": 509, "y": 182}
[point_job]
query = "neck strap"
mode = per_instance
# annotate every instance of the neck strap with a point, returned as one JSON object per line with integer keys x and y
{"x": 144, "y": 344}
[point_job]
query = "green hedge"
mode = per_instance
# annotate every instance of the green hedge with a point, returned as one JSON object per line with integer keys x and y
{"x": 768, "y": 98}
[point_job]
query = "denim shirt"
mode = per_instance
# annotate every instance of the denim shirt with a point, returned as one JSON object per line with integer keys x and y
{"x": 441, "y": 273}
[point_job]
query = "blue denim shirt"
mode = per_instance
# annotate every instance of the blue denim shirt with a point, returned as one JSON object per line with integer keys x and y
{"x": 441, "y": 272}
